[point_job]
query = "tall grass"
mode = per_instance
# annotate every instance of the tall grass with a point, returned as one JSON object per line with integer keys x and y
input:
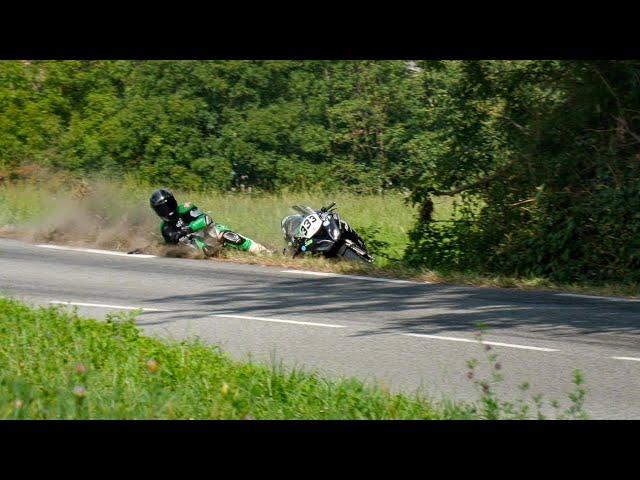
{"x": 382, "y": 219}
{"x": 259, "y": 216}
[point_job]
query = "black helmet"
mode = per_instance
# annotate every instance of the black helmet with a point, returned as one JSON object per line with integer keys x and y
{"x": 164, "y": 204}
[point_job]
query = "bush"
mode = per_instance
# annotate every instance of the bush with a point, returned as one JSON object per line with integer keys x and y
{"x": 550, "y": 152}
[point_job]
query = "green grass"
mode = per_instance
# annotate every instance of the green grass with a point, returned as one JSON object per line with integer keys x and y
{"x": 382, "y": 219}
{"x": 255, "y": 215}
{"x": 55, "y": 365}
{"x": 20, "y": 204}
{"x": 259, "y": 216}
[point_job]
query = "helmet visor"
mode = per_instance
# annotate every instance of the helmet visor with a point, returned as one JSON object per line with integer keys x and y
{"x": 166, "y": 209}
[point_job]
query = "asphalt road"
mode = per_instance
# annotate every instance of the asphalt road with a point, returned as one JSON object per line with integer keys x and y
{"x": 408, "y": 336}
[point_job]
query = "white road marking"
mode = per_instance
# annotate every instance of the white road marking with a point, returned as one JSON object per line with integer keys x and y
{"x": 633, "y": 359}
{"x": 356, "y": 277}
{"x": 93, "y": 250}
{"x": 276, "y": 320}
{"x": 489, "y": 307}
{"x": 101, "y": 305}
{"x": 468, "y": 340}
{"x": 596, "y": 297}
{"x": 305, "y": 272}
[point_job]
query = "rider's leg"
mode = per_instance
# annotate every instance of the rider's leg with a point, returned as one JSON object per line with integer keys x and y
{"x": 234, "y": 240}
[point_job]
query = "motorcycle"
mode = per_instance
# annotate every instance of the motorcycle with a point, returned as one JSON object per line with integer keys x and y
{"x": 323, "y": 232}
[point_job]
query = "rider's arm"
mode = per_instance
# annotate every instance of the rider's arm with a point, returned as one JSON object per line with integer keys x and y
{"x": 170, "y": 233}
{"x": 201, "y": 222}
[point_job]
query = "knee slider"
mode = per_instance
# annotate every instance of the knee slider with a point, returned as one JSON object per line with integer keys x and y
{"x": 232, "y": 237}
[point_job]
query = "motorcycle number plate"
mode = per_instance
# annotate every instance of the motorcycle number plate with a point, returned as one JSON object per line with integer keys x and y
{"x": 310, "y": 226}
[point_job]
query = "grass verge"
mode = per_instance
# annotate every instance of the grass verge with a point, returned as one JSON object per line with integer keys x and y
{"x": 56, "y": 365}
{"x": 116, "y": 216}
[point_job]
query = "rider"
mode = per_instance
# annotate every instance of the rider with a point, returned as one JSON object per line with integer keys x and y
{"x": 178, "y": 221}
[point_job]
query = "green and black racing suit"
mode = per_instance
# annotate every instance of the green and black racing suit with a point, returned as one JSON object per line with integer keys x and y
{"x": 192, "y": 220}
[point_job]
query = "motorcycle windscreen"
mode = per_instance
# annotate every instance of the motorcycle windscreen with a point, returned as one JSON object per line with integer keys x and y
{"x": 303, "y": 209}
{"x": 290, "y": 225}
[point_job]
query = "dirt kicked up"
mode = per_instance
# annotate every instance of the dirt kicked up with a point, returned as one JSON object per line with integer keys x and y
{"x": 97, "y": 217}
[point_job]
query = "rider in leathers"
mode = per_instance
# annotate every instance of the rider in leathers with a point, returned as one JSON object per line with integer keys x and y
{"x": 181, "y": 220}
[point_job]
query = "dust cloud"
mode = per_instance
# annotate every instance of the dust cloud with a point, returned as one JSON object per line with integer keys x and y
{"x": 100, "y": 215}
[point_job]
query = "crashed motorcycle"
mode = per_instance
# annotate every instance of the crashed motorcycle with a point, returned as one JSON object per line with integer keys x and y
{"x": 322, "y": 232}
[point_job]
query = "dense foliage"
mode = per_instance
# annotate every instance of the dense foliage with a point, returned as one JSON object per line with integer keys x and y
{"x": 212, "y": 124}
{"x": 546, "y": 156}
{"x": 543, "y": 157}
